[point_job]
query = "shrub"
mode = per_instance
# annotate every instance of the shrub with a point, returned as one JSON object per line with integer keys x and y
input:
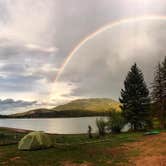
{"x": 115, "y": 121}
{"x": 101, "y": 125}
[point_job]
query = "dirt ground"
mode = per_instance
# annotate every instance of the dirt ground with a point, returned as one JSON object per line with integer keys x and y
{"x": 68, "y": 163}
{"x": 152, "y": 151}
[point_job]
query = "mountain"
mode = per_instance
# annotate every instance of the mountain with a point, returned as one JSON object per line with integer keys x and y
{"x": 75, "y": 108}
{"x": 92, "y": 104}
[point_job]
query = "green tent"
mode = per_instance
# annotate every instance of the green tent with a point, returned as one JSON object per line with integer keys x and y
{"x": 35, "y": 140}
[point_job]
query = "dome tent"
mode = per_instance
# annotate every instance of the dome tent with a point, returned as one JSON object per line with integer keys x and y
{"x": 35, "y": 140}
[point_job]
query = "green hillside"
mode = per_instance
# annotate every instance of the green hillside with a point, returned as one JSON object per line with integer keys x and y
{"x": 76, "y": 108}
{"x": 92, "y": 104}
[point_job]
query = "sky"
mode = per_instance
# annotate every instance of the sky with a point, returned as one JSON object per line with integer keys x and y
{"x": 37, "y": 37}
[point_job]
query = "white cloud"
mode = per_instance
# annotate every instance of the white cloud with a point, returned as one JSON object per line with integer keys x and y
{"x": 29, "y": 21}
{"x": 61, "y": 91}
{"x": 39, "y": 48}
{"x": 27, "y": 48}
{"x": 106, "y": 58}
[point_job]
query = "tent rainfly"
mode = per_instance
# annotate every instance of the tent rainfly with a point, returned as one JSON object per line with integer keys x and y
{"x": 35, "y": 140}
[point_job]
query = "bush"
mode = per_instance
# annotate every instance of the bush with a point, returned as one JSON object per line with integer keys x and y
{"x": 2, "y": 135}
{"x": 115, "y": 121}
{"x": 101, "y": 125}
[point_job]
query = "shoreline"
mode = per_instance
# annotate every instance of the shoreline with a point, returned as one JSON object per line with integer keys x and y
{"x": 26, "y": 131}
{"x": 57, "y": 117}
{"x": 17, "y": 130}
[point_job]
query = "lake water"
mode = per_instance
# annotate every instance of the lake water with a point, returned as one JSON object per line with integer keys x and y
{"x": 53, "y": 125}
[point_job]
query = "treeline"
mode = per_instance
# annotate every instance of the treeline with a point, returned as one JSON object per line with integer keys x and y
{"x": 59, "y": 114}
{"x": 3, "y": 116}
{"x": 144, "y": 107}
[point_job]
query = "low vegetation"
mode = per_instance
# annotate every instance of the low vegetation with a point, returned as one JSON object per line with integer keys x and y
{"x": 115, "y": 121}
{"x": 101, "y": 125}
{"x": 10, "y": 155}
{"x": 114, "y": 150}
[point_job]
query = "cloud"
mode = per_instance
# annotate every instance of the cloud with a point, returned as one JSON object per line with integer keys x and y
{"x": 8, "y": 105}
{"x": 61, "y": 91}
{"x": 106, "y": 58}
{"x": 17, "y": 103}
{"x": 28, "y": 21}
{"x": 27, "y": 48}
{"x": 37, "y": 36}
{"x": 39, "y": 48}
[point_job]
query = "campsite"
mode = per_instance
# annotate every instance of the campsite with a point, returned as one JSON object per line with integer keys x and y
{"x": 116, "y": 149}
{"x": 142, "y": 144}
{"x": 82, "y": 83}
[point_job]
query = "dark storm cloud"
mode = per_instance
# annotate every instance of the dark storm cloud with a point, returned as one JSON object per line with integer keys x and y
{"x": 4, "y": 104}
{"x": 8, "y": 106}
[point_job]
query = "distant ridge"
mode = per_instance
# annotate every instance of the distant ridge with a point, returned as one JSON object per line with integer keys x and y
{"x": 91, "y": 104}
{"x": 75, "y": 108}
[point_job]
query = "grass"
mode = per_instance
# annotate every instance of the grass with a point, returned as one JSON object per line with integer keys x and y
{"x": 97, "y": 153}
{"x": 8, "y": 137}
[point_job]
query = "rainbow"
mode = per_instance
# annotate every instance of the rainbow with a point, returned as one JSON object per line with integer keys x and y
{"x": 100, "y": 30}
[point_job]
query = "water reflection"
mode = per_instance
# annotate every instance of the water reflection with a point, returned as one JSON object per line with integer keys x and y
{"x": 54, "y": 125}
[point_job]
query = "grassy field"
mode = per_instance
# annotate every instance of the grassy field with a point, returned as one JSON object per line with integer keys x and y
{"x": 111, "y": 152}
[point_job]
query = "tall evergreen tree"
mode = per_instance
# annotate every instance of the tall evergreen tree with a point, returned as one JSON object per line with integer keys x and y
{"x": 135, "y": 99}
{"x": 164, "y": 84}
{"x": 159, "y": 92}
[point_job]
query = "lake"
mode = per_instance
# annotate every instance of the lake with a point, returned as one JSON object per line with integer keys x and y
{"x": 53, "y": 125}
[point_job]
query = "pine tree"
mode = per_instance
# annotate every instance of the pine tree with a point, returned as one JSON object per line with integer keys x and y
{"x": 159, "y": 92}
{"x": 163, "y": 71}
{"x": 135, "y": 99}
